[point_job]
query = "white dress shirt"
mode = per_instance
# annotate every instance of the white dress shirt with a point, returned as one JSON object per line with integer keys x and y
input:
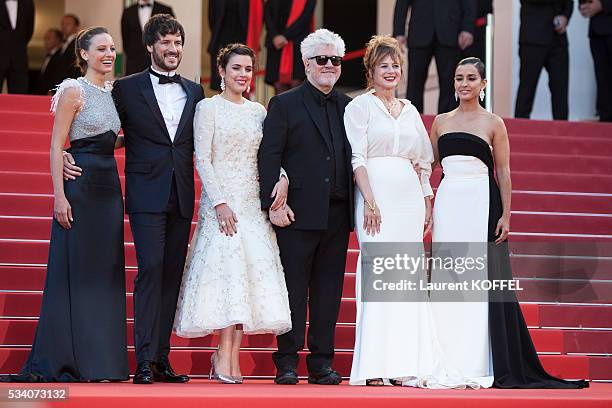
{"x": 11, "y": 7}
{"x": 373, "y": 132}
{"x": 171, "y": 100}
{"x": 144, "y": 13}
{"x": 67, "y": 42}
{"x": 50, "y": 55}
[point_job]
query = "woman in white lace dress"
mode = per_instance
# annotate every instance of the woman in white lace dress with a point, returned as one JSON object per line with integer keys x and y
{"x": 233, "y": 280}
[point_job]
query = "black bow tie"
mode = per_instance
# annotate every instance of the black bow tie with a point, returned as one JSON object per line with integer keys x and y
{"x": 166, "y": 79}
{"x": 144, "y": 5}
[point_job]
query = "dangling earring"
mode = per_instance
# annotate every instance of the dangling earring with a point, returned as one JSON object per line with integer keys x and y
{"x": 482, "y": 95}
{"x": 248, "y": 91}
{"x": 222, "y": 84}
{"x": 456, "y": 97}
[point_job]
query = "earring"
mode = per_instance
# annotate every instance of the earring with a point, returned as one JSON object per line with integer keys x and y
{"x": 249, "y": 89}
{"x": 482, "y": 95}
{"x": 456, "y": 97}
{"x": 222, "y": 83}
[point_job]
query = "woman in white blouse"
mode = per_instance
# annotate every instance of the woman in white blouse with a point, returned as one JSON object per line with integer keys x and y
{"x": 395, "y": 342}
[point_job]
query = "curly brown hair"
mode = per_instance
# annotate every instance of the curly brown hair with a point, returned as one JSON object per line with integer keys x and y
{"x": 378, "y": 48}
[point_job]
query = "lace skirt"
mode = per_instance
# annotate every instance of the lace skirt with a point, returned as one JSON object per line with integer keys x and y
{"x": 233, "y": 280}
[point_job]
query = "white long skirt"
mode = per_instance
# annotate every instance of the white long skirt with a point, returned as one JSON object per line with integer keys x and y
{"x": 461, "y": 213}
{"x": 397, "y": 340}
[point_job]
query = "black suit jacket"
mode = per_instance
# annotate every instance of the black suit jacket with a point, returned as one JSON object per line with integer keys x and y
{"x": 151, "y": 157}
{"x": 136, "y": 55}
{"x": 537, "y": 21}
{"x": 216, "y": 12}
{"x": 296, "y": 137}
{"x": 66, "y": 65}
{"x": 276, "y": 15}
{"x": 46, "y": 80}
{"x": 14, "y": 43}
{"x": 429, "y": 19}
{"x": 601, "y": 24}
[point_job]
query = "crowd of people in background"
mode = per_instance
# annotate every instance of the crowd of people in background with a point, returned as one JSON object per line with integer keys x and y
{"x": 456, "y": 30}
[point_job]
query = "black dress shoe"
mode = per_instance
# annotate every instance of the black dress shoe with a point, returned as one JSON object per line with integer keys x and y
{"x": 143, "y": 374}
{"x": 286, "y": 377}
{"x": 163, "y": 372}
{"x": 326, "y": 376}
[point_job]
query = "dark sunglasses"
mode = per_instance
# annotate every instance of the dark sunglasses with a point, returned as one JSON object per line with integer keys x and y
{"x": 322, "y": 60}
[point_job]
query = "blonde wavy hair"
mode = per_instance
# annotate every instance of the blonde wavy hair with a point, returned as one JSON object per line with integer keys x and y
{"x": 377, "y": 49}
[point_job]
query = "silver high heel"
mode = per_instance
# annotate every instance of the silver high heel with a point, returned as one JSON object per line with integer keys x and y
{"x": 214, "y": 375}
{"x": 238, "y": 379}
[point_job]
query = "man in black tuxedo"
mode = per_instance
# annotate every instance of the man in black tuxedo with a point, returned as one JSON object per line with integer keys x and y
{"x": 47, "y": 74}
{"x": 304, "y": 133}
{"x": 133, "y": 20}
{"x": 156, "y": 107}
{"x": 16, "y": 28}
{"x": 478, "y": 48}
{"x": 228, "y": 21}
{"x": 440, "y": 29}
{"x": 66, "y": 64}
{"x": 543, "y": 44}
{"x": 600, "y": 35}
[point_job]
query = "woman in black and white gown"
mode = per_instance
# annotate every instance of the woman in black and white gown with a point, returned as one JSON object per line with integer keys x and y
{"x": 488, "y": 341}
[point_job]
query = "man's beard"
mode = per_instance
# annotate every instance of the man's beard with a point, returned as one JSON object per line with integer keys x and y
{"x": 159, "y": 61}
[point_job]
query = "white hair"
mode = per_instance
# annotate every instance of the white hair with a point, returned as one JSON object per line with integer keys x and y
{"x": 321, "y": 38}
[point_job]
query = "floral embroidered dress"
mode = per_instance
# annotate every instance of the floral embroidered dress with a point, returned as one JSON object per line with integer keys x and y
{"x": 238, "y": 279}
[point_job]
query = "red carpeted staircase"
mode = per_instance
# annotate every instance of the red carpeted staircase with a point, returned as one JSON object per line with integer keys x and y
{"x": 561, "y": 222}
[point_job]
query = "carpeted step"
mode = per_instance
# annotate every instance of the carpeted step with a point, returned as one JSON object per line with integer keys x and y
{"x": 40, "y": 182}
{"x": 27, "y": 304}
{"x": 26, "y": 121}
{"x": 16, "y": 332}
{"x": 38, "y": 161}
{"x": 22, "y": 227}
{"x": 13, "y": 278}
{"x": 259, "y": 363}
{"x": 37, "y": 205}
{"x": 25, "y": 103}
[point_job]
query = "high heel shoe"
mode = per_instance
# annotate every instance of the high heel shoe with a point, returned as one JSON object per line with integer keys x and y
{"x": 214, "y": 375}
{"x": 238, "y": 379}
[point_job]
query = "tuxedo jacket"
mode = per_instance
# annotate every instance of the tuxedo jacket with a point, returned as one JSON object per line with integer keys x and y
{"x": 152, "y": 159}
{"x": 66, "y": 64}
{"x": 276, "y": 15}
{"x": 136, "y": 55}
{"x": 601, "y": 24}
{"x": 297, "y": 138}
{"x": 14, "y": 43}
{"x": 429, "y": 19}
{"x": 216, "y": 13}
{"x": 48, "y": 79}
{"x": 537, "y": 21}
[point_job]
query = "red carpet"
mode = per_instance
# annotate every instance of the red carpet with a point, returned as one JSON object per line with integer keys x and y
{"x": 562, "y": 192}
{"x": 262, "y": 394}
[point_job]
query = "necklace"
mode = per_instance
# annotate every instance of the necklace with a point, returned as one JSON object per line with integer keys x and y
{"x": 106, "y": 85}
{"x": 389, "y": 105}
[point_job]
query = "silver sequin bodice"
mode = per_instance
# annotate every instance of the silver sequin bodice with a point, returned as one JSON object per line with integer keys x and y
{"x": 98, "y": 114}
